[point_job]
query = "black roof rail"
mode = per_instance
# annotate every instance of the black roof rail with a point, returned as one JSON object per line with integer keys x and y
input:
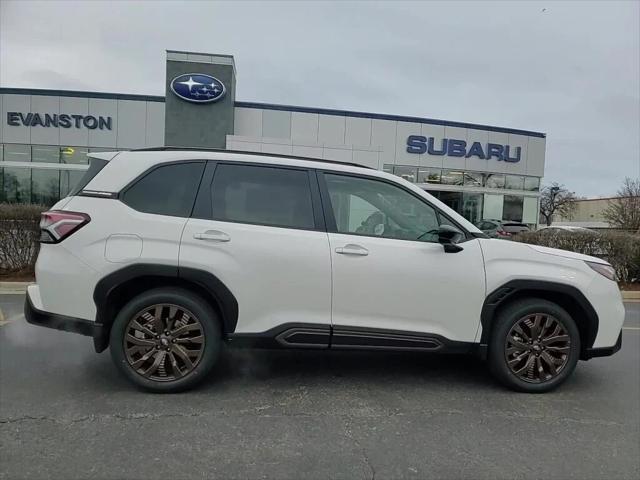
{"x": 243, "y": 152}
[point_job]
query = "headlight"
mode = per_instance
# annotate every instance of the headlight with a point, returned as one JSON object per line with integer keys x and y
{"x": 603, "y": 269}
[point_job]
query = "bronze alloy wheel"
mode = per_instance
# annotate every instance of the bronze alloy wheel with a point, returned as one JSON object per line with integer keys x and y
{"x": 164, "y": 342}
{"x": 537, "y": 348}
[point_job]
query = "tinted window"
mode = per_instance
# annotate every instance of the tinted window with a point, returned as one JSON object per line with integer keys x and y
{"x": 167, "y": 190}
{"x": 262, "y": 195}
{"x": 370, "y": 207}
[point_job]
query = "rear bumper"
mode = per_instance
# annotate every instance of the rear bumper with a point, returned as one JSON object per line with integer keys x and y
{"x": 603, "y": 351}
{"x": 60, "y": 322}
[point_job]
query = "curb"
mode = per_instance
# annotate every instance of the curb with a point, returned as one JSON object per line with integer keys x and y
{"x": 13, "y": 288}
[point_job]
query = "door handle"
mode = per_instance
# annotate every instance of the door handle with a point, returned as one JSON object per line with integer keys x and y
{"x": 212, "y": 236}
{"x": 352, "y": 249}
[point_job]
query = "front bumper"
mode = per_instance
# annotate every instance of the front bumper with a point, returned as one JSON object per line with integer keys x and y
{"x": 60, "y": 322}
{"x": 603, "y": 351}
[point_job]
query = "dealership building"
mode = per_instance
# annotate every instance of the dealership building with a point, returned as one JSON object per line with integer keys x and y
{"x": 483, "y": 172}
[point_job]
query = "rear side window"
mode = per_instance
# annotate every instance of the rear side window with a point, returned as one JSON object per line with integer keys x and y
{"x": 277, "y": 197}
{"x": 166, "y": 190}
{"x": 95, "y": 165}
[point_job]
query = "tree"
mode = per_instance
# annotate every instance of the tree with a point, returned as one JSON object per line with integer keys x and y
{"x": 624, "y": 210}
{"x": 556, "y": 198}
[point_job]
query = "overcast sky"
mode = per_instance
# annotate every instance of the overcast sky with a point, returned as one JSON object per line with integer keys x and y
{"x": 570, "y": 70}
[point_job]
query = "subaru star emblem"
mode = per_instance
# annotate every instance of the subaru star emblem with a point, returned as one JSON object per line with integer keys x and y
{"x": 198, "y": 88}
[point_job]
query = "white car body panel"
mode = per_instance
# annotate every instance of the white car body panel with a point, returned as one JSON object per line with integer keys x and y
{"x": 72, "y": 268}
{"x": 409, "y": 286}
{"x": 506, "y": 261}
{"x": 566, "y": 254}
{"x": 278, "y": 275}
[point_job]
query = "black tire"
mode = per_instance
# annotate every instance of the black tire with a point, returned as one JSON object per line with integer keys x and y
{"x": 509, "y": 351}
{"x": 206, "y": 340}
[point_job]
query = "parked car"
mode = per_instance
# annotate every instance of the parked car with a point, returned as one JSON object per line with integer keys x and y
{"x": 515, "y": 228}
{"x": 492, "y": 228}
{"x": 162, "y": 255}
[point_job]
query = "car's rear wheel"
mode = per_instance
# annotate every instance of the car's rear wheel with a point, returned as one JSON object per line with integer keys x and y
{"x": 535, "y": 345}
{"x": 165, "y": 340}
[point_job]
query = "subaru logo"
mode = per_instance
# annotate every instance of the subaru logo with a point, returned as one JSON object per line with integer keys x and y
{"x": 198, "y": 88}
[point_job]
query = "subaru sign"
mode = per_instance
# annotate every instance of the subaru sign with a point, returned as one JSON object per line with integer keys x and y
{"x": 198, "y": 88}
{"x": 458, "y": 148}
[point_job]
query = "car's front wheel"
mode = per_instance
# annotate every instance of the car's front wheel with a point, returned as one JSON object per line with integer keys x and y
{"x": 165, "y": 340}
{"x": 535, "y": 345}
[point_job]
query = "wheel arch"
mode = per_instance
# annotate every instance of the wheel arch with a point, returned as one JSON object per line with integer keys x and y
{"x": 116, "y": 289}
{"x": 566, "y": 296}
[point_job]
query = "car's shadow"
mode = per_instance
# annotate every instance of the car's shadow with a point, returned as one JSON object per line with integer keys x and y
{"x": 48, "y": 357}
{"x": 362, "y": 367}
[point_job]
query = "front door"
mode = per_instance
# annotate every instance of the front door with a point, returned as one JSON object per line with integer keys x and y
{"x": 389, "y": 272}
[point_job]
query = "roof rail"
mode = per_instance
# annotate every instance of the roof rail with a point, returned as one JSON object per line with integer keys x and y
{"x": 222, "y": 150}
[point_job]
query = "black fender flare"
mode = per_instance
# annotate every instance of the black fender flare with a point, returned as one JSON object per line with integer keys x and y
{"x": 206, "y": 281}
{"x": 588, "y": 322}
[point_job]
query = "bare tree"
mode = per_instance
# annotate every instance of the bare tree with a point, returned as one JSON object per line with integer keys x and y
{"x": 624, "y": 210}
{"x": 556, "y": 198}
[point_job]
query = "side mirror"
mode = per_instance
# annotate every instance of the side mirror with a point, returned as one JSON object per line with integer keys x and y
{"x": 449, "y": 236}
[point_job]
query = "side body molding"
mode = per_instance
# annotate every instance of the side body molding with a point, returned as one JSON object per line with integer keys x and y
{"x": 112, "y": 292}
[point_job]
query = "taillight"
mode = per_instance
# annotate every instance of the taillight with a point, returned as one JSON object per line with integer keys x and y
{"x": 504, "y": 233}
{"x": 56, "y": 225}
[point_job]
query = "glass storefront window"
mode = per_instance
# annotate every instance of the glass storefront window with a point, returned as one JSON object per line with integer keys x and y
{"x": 17, "y": 185}
{"x": 452, "y": 199}
{"x": 17, "y": 153}
{"x": 45, "y": 186}
{"x": 530, "y": 210}
{"x": 45, "y": 154}
{"x": 493, "y": 206}
{"x": 532, "y": 184}
{"x": 512, "y": 210}
{"x": 73, "y": 155}
{"x": 472, "y": 206}
{"x": 68, "y": 179}
{"x": 407, "y": 172}
{"x": 452, "y": 177}
{"x": 434, "y": 193}
{"x": 428, "y": 175}
{"x": 494, "y": 180}
{"x": 473, "y": 179}
{"x": 514, "y": 182}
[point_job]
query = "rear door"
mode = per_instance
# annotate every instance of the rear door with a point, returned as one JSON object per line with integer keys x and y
{"x": 259, "y": 229}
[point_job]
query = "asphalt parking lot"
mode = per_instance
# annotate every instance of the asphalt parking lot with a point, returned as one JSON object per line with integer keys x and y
{"x": 66, "y": 413}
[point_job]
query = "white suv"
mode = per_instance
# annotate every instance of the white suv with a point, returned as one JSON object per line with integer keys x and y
{"x": 165, "y": 254}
